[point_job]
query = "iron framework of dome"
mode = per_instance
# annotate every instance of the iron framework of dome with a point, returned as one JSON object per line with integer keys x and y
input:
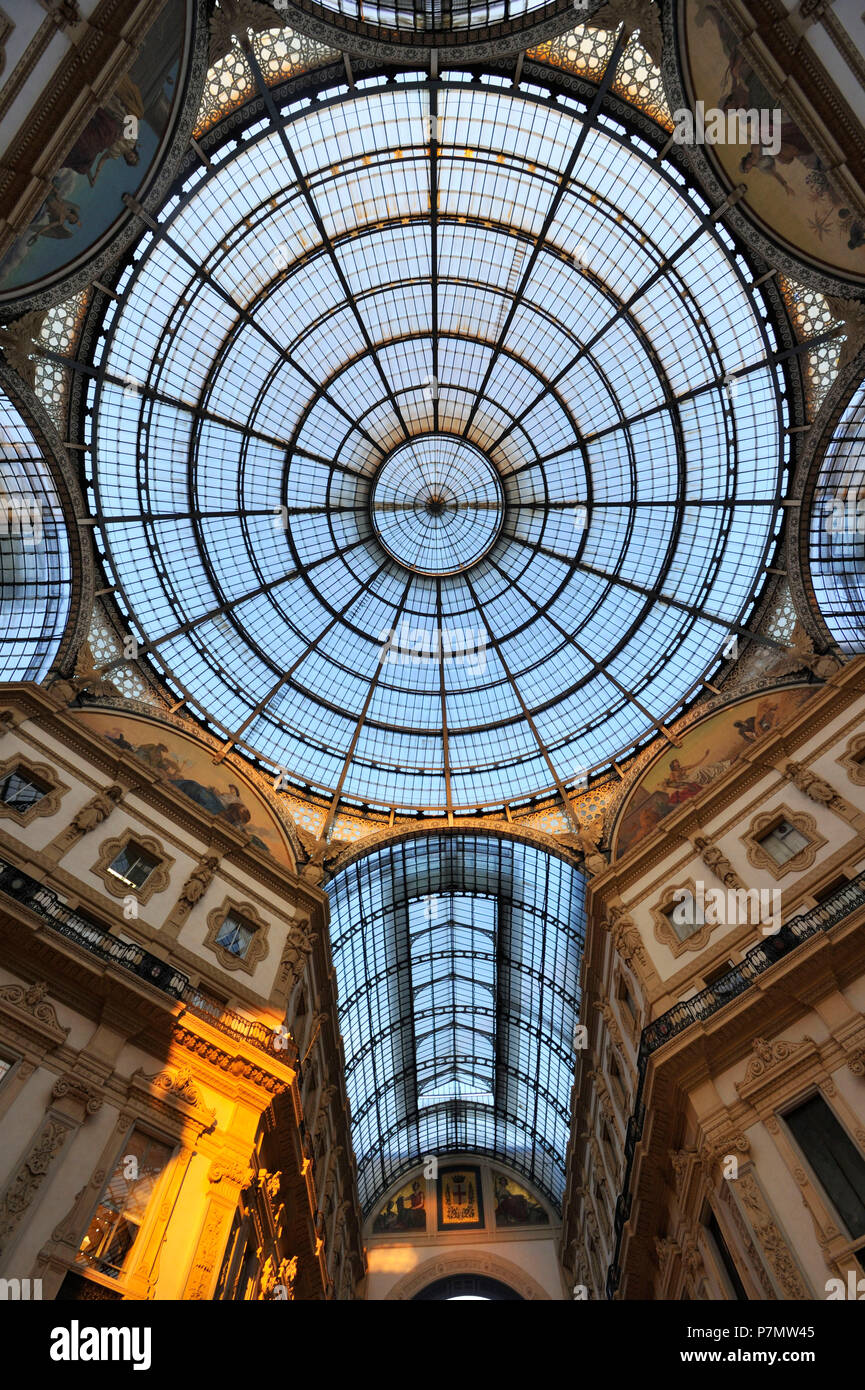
{"x": 457, "y": 959}
{"x": 417, "y": 282}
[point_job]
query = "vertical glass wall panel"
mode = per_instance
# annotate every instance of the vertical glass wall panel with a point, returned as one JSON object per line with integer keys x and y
{"x": 458, "y": 960}
{"x": 35, "y": 566}
{"x": 838, "y": 1163}
{"x": 837, "y": 539}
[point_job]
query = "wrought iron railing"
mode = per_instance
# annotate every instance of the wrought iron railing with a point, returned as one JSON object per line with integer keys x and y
{"x": 99, "y": 941}
{"x": 846, "y": 899}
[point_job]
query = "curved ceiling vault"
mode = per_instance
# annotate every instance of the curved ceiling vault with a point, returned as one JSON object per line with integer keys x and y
{"x": 458, "y": 959}
{"x": 437, "y": 355}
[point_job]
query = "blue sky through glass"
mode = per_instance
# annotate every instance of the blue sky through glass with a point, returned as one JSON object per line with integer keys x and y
{"x": 289, "y": 341}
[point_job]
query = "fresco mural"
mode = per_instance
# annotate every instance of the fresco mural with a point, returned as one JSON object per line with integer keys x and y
{"x": 707, "y": 751}
{"x": 405, "y": 1211}
{"x": 515, "y": 1205}
{"x": 113, "y": 155}
{"x": 791, "y": 192}
{"x": 190, "y": 769}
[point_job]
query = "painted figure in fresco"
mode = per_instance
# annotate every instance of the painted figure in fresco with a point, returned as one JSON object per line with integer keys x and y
{"x": 515, "y": 1206}
{"x": 59, "y": 211}
{"x": 680, "y": 786}
{"x": 741, "y": 88}
{"x": 103, "y": 137}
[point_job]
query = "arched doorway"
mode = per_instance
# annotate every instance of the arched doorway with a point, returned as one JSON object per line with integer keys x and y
{"x": 467, "y": 1286}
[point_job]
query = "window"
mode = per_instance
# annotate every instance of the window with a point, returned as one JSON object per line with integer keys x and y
{"x": 625, "y": 997}
{"x": 615, "y": 1075}
{"x": 712, "y": 977}
{"x": 123, "y": 1205}
{"x": 822, "y": 895}
{"x": 783, "y": 842}
{"x": 5, "y": 1067}
{"x": 21, "y": 790}
{"x": 837, "y": 1163}
{"x": 235, "y": 935}
{"x": 683, "y": 916}
{"x": 133, "y": 864}
{"x": 726, "y": 1259}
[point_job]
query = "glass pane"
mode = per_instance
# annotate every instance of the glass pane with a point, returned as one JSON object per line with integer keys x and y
{"x": 123, "y": 1204}
{"x": 20, "y": 790}
{"x": 836, "y": 1160}
{"x": 133, "y": 864}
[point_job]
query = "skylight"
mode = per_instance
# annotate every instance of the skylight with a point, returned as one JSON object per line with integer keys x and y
{"x": 443, "y": 361}
{"x": 457, "y": 960}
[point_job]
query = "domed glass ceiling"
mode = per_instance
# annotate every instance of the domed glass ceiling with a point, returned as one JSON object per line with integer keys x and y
{"x": 438, "y": 441}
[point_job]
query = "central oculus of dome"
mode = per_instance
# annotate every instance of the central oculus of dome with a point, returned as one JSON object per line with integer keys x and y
{"x": 437, "y": 504}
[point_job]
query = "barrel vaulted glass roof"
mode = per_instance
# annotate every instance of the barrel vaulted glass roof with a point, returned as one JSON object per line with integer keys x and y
{"x": 35, "y": 562}
{"x": 837, "y": 521}
{"x": 457, "y": 960}
{"x": 438, "y": 440}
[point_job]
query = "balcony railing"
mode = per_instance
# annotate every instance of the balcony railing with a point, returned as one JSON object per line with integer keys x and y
{"x": 846, "y": 899}
{"x": 100, "y": 942}
{"x": 703, "y": 1005}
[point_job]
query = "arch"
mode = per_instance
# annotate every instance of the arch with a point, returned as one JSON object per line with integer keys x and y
{"x": 452, "y": 1263}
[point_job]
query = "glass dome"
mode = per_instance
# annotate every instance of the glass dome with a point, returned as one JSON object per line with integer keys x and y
{"x": 439, "y": 442}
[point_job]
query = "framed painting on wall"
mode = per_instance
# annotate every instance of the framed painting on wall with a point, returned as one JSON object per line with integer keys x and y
{"x": 460, "y": 1200}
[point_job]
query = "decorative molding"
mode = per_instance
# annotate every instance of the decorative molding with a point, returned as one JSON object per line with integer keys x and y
{"x": 716, "y": 861}
{"x": 81, "y": 1092}
{"x": 467, "y": 1262}
{"x": 231, "y": 1170}
{"x": 238, "y": 1066}
{"x": 208, "y": 1251}
{"x": 853, "y": 760}
{"x": 769, "y": 1237}
{"x": 31, "y": 1174}
{"x": 765, "y": 1055}
{"x": 818, "y": 789}
{"x": 760, "y": 825}
{"x": 176, "y": 1086}
{"x": 31, "y": 999}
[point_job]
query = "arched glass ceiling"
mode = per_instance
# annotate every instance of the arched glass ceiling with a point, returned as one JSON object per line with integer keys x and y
{"x": 35, "y": 564}
{"x": 837, "y": 541}
{"x": 509, "y": 288}
{"x": 457, "y": 959}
